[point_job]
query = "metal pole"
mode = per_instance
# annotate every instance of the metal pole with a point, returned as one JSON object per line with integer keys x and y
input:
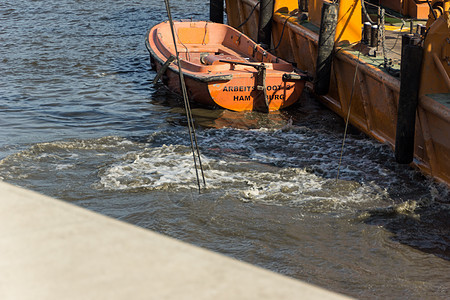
{"x": 216, "y": 11}
{"x": 411, "y": 65}
{"x": 265, "y": 23}
{"x": 326, "y": 45}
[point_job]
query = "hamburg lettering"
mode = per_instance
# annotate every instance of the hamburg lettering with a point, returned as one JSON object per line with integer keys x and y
{"x": 241, "y": 98}
{"x": 247, "y": 98}
{"x": 276, "y": 97}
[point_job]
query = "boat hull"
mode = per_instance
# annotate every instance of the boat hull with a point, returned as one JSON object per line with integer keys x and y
{"x": 231, "y": 77}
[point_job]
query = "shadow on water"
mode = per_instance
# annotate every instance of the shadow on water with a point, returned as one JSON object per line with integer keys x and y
{"x": 423, "y": 225}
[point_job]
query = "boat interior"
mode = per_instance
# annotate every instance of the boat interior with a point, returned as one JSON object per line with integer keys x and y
{"x": 210, "y": 47}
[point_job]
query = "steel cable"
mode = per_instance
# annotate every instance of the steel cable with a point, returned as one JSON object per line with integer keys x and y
{"x": 193, "y": 138}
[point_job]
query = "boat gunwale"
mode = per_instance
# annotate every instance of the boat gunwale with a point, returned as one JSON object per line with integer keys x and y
{"x": 279, "y": 66}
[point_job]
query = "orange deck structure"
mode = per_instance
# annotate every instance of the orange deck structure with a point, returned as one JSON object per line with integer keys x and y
{"x": 223, "y": 67}
{"x": 373, "y": 100}
{"x": 418, "y": 9}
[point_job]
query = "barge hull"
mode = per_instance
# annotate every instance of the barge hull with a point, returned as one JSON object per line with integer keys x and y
{"x": 373, "y": 101}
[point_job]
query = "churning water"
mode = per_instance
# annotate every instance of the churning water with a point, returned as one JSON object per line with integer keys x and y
{"x": 81, "y": 121}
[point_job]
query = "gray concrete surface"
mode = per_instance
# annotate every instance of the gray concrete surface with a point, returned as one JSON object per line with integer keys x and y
{"x": 50, "y": 249}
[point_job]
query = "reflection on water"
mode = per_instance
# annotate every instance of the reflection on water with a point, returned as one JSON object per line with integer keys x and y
{"x": 222, "y": 118}
{"x": 81, "y": 122}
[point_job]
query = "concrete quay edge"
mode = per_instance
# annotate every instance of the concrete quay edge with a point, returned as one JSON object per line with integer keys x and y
{"x": 50, "y": 249}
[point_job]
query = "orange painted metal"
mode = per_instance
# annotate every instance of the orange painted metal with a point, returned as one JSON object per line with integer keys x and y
{"x": 222, "y": 67}
{"x": 348, "y": 28}
{"x": 415, "y": 8}
{"x": 374, "y": 98}
{"x": 436, "y": 70}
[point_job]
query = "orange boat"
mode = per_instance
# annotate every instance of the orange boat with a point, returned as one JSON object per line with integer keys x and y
{"x": 222, "y": 67}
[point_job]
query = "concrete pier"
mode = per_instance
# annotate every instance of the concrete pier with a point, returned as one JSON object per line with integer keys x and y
{"x": 50, "y": 249}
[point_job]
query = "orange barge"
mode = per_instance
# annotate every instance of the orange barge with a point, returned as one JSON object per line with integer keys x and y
{"x": 222, "y": 67}
{"x": 364, "y": 87}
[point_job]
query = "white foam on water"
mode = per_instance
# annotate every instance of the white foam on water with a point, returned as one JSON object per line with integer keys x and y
{"x": 276, "y": 167}
{"x": 45, "y": 158}
{"x": 170, "y": 167}
{"x": 154, "y": 168}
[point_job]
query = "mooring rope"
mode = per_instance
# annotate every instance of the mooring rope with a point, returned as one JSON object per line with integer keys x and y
{"x": 348, "y": 117}
{"x": 388, "y": 14}
{"x": 282, "y": 32}
{"x": 249, "y": 15}
{"x": 383, "y": 38}
{"x": 194, "y": 144}
{"x": 366, "y": 13}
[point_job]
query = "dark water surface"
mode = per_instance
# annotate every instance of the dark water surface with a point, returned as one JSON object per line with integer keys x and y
{"x": 80, "y": 121}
